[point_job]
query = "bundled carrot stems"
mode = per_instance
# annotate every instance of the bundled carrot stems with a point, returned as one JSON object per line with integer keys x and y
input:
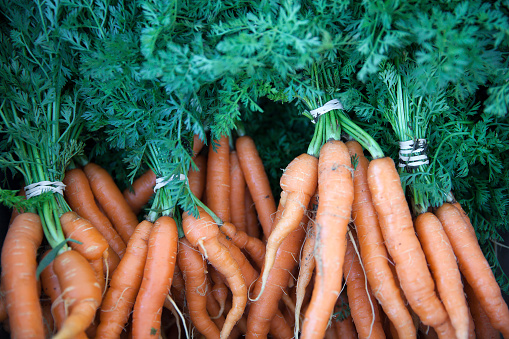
{"x": 253, "y": 169}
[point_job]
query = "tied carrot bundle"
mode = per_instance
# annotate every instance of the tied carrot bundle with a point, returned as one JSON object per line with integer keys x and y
{"x": 19, "y": 284}
{"x": 80, "y": 291}
{"x": 373, "y": 252}
{"x": 140, "y": 191}
{"x": 125, "y": 284}
{"x": 111, "y": 200}
{"x": 157, "y": 277}
{"x": 80, "y": 198}
{"x": 217, "y": 186}
{"x": 257, "y": 181}
{"x": 203, "y": 233}
{"x": 335, "y": 187}
{"x": 194, "y": 270}
{"x": 474, "y": 266}
{"x": 402, "y": 243}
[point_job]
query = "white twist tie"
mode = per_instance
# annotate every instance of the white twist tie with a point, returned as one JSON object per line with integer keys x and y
{"x": 40, "y": 187}
{"x": 329, "y": 106}
{"x": 163, "y": 181}
{"x": 412, "y": 153}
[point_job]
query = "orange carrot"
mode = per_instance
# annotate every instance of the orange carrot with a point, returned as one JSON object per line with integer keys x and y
{"x": 373, "y": 252}
{"x": 253, "y": 246}
{"x": 363, "y": 306}
{"x": 112, "y": 201}
{"x": 402, "y": 243}
{"x": 157, "y": 277}
{"x": 483, "y": 328}
{"x": 217, "y": 186}
{"x": 335, "y": 186}
{"x": 19, "y": 284}
{"x": 237, "y": 193}
{"x": 252, "y": 225}
{"x": 298, "y": 184}
{"x": 279, "y": 328}
{"x": 140, "y": 191}
{"x": 440, "y": 257}
{"x": 345, "y": 327}
{"x": 197, "y": 144}
{"x": 80, "y": 291}
{"x": 197, "y": 178}
{"x": 81, "y": 199}
{"x": 203, "y": 234}
{"x": 194, "y": 269}
{"x": 257, "y": 181}
{"x": 111, "y": 263}
{"x": 219, "y": 289}
{"x": 474, "y": 266}
{"x": 178, "y": 286}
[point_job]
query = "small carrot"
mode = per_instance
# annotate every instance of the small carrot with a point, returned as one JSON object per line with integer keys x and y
{"x": 237, "y": 193}
{"x": 80, "y": 198}
{"x": 19, "y": 283}
{"x": 252, "y": 224}
{"x": 157, "y": 277}
{"x": 335, "y": 187}
{"x": 363, "y": 306}
{"x": 197, "y": 178}
{"x": 442, "y": 262}
{"x": 194, "y": 269}
{"x": 111, "y": 200}
{"x": 373, "y": 252}
{"x": 474, "y": 266}
{"x": 298, "y": 183}
{"x": 257, "y": 181}
{"x": 217, "y": 186}
{"x": 80, "y": 291}
{"x": 140, "y": 191}
{"x": 402, "y": 243}
{"x": 203, "y": 234}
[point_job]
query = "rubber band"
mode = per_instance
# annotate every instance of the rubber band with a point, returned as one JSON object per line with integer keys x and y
{"x": 327, "y": 107}
{"x": 412, "y": 153}
{"x": 163, "y": 181}
{"x": 40, "y": 187}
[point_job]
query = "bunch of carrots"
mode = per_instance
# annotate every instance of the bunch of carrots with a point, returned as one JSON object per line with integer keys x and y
{"x": 342, "y": 223}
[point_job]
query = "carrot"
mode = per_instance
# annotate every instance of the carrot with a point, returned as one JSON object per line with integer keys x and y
{"x": 402, "y": 243}
{"x": 157, "y": 277}
{"x": 197, "y": 144}
{"x": 298, "y": 183}
{"x": 335, "y": 186}
{"x": 474, "y": 266}
{"x": 257, "y": 181}
{"x": 80, "y": 198}
{"x": 80, "y": 291}
{"x": 263, "y": 310}
{"x": 219, "y": 289}
{"x": 203, "y": 234}
{"x": 247, "y": 271}
{"x": 19, "y": 284}
{"x": 252, "y": 225}
{"x": 440, "y": 257}
{"x": 112, "y": 201}
{"x": 217, "y": 186}
{"x": 363, "y": 307}
{"x": 344, "y": 324}
{"x": 483, "y": 327}
{"x": 197, "y": 178}
{"x": 253, "y": 246}
{"x": 111, "y": 263}
{"x": 194, "y": 270}
{"x": 237, "y": 193}
{"x": 279, "y": 328}
{"x": 178, "y": 287}
{"x": 373, "y": 252}
{"x": 140, "y": 191}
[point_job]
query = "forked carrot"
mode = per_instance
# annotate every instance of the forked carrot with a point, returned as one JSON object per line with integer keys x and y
{"x": 202, "y": 233}
{"x": 442, "y": 262}
{"x": 80, "y": 291}
{"x": 140, "y": 191}
{"x": 237, "y": 193}
{"x": 80, "y": 198}
{"x": 335, "y": 187}
{"x": 19, "y": 283}
{"x": 402, "y": 243}
{"x": 217, "y": 186}
{"x": 474, "y": 266}
{"x": 257, "y": 181}
{"x": 111, "y": 200}
{"x": 194, "y": 269}
{"x": 157, "y": 277}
